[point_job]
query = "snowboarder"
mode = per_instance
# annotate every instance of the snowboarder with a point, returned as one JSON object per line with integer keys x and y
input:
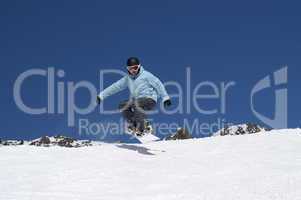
{"x": 145, "y": 89}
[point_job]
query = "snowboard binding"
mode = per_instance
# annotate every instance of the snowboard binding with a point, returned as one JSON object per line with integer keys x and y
{"x": 134, "y": 130}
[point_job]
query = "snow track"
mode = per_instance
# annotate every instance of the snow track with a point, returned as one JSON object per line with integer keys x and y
{"x": 258, "y": 166}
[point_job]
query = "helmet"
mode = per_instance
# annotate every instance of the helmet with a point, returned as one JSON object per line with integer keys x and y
{"x": 132, "y": 61}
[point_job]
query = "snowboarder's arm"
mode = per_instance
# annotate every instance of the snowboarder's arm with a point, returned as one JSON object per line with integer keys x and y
{"x": 114, "y": 88}
{"x": 158, "y": 85}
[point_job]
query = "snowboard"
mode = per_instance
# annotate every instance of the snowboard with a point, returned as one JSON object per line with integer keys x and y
{"x": 147, "y": 136}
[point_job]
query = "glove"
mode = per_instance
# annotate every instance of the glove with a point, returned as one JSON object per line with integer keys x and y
{"x": 167, "y": 103}
{"x": 98, "y": 100}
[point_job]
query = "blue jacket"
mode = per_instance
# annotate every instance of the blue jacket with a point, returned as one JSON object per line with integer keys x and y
{"x": 144, "y": 84}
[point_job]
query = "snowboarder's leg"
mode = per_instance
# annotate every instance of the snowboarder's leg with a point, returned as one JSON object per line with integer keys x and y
{"x": 127, "y": 109}
{"x": 142, "y": 105}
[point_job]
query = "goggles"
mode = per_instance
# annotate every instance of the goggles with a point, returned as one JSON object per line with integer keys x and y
{"x": 134, "y": 67}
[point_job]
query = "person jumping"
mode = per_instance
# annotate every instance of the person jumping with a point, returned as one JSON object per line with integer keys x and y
{"x": 145, "y": 89}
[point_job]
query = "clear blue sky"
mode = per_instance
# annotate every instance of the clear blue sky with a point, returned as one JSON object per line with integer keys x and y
{"x": 241, "y": 41}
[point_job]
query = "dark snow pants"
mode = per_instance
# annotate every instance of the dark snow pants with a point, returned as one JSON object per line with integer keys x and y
{"x": 134, "y": 111}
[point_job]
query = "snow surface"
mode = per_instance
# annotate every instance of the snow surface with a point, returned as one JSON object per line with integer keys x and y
{"x": 257, "y": 166}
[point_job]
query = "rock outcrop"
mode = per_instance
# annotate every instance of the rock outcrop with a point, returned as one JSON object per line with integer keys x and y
{"x": 61, "y": 141}
{"x": 11, "y": 142}
{"x": 181, "y": 134}
{"x": 249, "y": 128}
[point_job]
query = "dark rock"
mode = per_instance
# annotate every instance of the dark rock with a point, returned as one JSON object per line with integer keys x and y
{"x": 267, "y": 129}
{"x": 181, "y": 134}
{"x": 12, "y": 142}
{"x": 60, "y": 140}
{"x": 5, "y": 143}
{"x": 225, "y": 131}
{"x": 253, "y": 128}
{"x": 240, "y": 131}
{"x": 45, "y": 140}
{"x": 59, "y": 137}
{"x": 34, "y": 143}
{"x": 249, "y": 128}
{"x": 66, "y": 142}
{"x": 86, "y": 143}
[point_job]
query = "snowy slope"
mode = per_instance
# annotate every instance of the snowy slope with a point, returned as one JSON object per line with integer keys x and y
{"x": 256, "y": 166}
